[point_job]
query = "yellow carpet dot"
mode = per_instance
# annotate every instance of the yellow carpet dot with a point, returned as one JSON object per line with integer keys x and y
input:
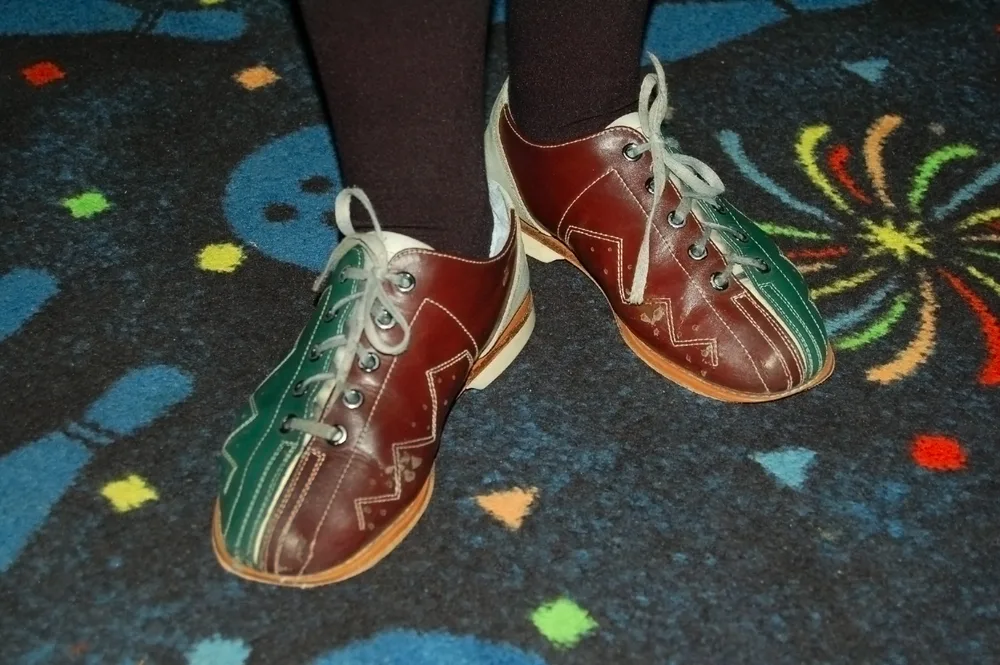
{"x": 209, "y": 3}
{"x": 253, "y": 78}
{"x": 129, "y": 493}
{"x": 221, "y": 257}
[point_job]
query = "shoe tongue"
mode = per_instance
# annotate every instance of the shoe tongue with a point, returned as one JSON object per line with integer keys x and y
{"x": 630, "y": 120}
{"x": 397, "y": 242}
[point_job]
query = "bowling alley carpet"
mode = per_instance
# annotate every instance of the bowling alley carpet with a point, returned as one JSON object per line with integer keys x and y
{"x": 166, "y": 182}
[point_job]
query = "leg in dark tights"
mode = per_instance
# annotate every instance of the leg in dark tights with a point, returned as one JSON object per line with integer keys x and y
{"x": 403, "y": 82}
{"x": 574, "y": 64}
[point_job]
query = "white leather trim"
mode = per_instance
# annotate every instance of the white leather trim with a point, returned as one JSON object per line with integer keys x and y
{"x": 501, "y": 218}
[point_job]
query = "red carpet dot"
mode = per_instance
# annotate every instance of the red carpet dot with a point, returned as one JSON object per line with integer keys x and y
{"x": 42, "y": 73}
{"x": 938, "y": 453}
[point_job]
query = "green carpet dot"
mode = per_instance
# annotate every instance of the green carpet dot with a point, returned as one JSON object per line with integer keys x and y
{"x": 563, "y": 622}
{"x": 86, "y": 205}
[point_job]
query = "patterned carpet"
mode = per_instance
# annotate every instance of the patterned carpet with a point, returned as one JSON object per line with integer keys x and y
{"x": 165, "y": 186}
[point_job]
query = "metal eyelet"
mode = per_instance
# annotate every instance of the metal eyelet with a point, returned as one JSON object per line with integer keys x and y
{"x": 743, "y": 237}
{"x": 694, "y": 254}
{"x": 314, "y": 354}
{"x": 631, "y": 152}
{"x": 766, "y": 267}
{"x": 650, "y": 187}
{"x": 384, "y": 320}
{"x": 675, "y": 221}
{"x": 717, "y": 284}
{"x": 370, "y": 362}
{"x": 299, "y": 389}
{"x": 339, "y": 437}
{"x": 353, "y": 399}
{"x": 342, "y": 277}
{"x": 717, "y": 206}
{"x": 330, "y": 315}
{"x": 283, "y": 427}
{"x": 407, "y": 282}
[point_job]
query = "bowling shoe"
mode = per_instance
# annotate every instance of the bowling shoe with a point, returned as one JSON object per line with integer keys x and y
{"x": 697, "y": 290}
{"x": 333, "y": 461}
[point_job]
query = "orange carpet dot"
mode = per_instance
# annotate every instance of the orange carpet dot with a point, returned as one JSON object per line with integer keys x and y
{"x": 938, "y": 453}
{"x": 510, "y": 507}
{"x": 253, "y": 78}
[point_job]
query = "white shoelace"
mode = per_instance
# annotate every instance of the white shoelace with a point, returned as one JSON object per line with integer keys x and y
{"x": 695, "y": 181}
{"x": 373, "y": 311}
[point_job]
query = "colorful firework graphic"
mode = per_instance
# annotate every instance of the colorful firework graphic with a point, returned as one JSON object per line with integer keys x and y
{"x": 904, "y": 253}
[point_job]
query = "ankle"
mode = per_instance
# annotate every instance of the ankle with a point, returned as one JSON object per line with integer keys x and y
{"x": 449, "y": 232}
{"x": 551, "y": 125}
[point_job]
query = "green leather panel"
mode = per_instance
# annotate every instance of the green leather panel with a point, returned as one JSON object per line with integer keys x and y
{"x": 257, "y": 456}
{"x": 782, "y": 286}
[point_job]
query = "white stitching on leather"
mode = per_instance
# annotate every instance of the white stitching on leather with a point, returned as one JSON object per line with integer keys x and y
{"x": 300, "y": 500}
{"x": 266, "y": 540}
{"x": 603, "y": 236}
{"x": 714, "y": 311}
{"x": 364, "y": 433}
{"x": 562, "y": 218}
{"x": 412, "y": 444}
{"x": 784, "y": 365}
{"x": 798, "y": 317}
{"x": 778, "y": 264}
{"x": 509, "y": 118}
{"x": 671, "y": 248}
{"x": 711, "y": 342}
{"x": 253, "y": 500}
{"x": 788, "y": 341}
{"x": 455, "y": 318}
{"x": 285, "y": 452}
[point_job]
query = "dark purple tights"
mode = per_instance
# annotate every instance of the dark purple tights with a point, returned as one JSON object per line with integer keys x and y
{"x": 403, "y": 82}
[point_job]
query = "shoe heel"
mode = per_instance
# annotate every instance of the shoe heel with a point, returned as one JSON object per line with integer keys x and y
{"x": 507, "y": 347}
{"x": 535, "y": 239}
{"x": 538, "y": 244}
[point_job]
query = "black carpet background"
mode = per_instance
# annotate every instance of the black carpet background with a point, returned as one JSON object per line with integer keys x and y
{"x": 655, "y": 513}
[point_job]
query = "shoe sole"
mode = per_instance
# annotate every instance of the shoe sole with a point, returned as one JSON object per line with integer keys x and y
{"x": 489, "y": 366}
{"x": 541, "y": 246}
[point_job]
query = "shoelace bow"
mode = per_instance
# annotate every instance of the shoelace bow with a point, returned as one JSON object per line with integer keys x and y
{"x": 695, "y": 181}
{"x": 373, "y": 310}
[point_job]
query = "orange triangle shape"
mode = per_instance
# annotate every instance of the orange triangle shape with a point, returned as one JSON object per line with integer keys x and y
{"x": 509, "y": 506}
